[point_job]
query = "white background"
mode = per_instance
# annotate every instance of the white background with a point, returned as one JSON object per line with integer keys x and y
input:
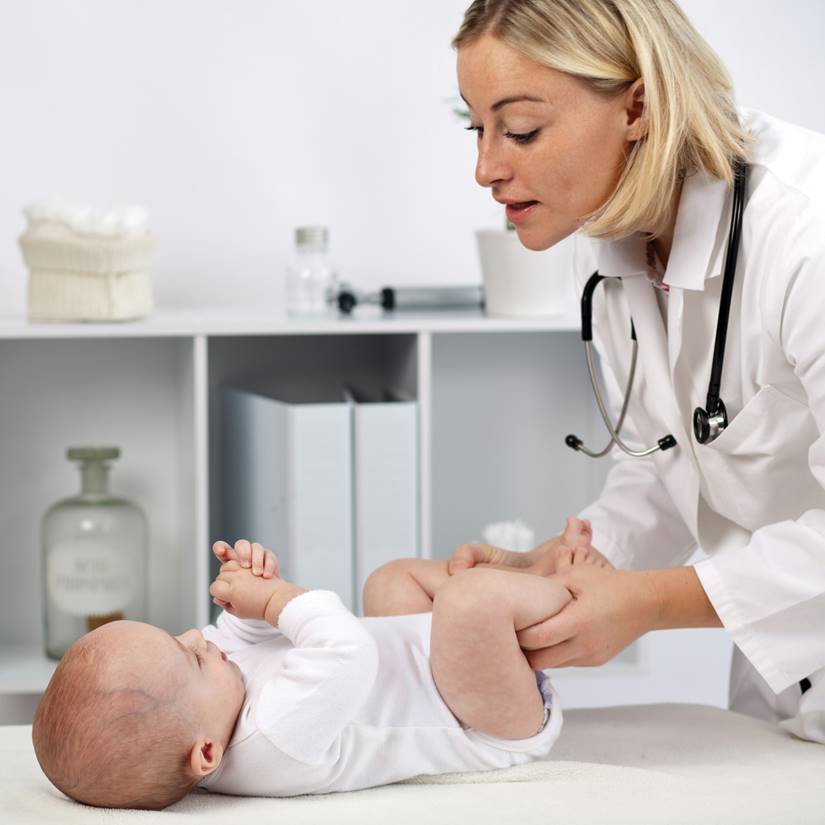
{"x": 233, "y": 122}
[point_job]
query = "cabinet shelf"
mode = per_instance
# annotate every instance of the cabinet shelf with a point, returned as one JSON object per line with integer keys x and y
{"x": 219, "y": 321}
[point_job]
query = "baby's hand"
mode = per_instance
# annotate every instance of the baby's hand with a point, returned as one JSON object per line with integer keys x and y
{"x": 254, "y": 556}
{"x": 240, "y": 592}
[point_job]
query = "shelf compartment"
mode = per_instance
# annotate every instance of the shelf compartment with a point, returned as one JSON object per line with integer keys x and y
{"x": 137, "y": 394}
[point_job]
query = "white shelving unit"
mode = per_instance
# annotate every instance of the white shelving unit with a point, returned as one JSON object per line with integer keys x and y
{"x": 490, "y": 423}
{"x": 496, "y": 398}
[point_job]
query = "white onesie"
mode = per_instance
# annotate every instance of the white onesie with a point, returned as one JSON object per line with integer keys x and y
{"x": 334, "y": 703}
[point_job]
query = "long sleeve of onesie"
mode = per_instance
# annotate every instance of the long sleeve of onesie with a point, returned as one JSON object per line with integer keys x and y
{"x": 324, "y": 681}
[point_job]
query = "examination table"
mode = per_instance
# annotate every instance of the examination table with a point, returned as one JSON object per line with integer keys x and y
{"x": 664, "y": 764}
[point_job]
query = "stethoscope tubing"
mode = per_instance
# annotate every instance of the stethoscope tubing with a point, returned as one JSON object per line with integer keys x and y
{"x": 708, "y": 422}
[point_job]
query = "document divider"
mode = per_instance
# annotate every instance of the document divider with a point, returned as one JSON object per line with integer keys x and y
{"x": 287, "y": 482}
{"x": 385, "y": 482}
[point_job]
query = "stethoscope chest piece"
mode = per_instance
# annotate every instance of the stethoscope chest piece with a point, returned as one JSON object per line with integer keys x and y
{"x": 708, "y": 427}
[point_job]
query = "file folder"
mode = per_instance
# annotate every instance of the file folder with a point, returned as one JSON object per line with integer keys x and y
{"x": 286, "y": 480}
{"x": 385, "y": 481}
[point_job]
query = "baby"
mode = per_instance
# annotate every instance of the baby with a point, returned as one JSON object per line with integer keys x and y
{"x": 289, "y": 693}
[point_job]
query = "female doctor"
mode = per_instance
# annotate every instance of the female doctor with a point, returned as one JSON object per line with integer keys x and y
{"x": 615, "y": 119}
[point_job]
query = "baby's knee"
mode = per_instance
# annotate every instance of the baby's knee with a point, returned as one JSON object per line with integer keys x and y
{"x": 477, "y": 590}
{"x": 385, "y": 579}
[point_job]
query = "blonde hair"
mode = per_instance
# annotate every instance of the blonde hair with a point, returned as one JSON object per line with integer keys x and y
{"x": 690, "y": 114}
{"x": 110, "y": 746}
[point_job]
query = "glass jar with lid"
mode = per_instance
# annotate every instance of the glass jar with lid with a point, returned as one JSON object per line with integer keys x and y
{"x": 311, "y": 279}
{"x": 94, "y": 556}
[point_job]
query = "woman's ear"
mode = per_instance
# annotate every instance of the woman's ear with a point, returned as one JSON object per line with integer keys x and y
{"x": 636, "y": 116}
{"x": 204, "y": 757}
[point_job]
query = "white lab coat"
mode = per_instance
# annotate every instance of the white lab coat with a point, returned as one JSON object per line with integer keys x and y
{"x": 754, "y": 499}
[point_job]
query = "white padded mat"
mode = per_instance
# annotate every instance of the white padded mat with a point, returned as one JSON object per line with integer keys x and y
{"x": 649, "y": 764}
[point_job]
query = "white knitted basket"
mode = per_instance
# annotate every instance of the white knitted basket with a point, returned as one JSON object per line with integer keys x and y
{"x": 55, "y": 295}
{"x": 76, "y": 253}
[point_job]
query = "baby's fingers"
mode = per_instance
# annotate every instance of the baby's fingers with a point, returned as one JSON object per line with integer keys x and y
{"x": 243, "y": 551}
{"x": 258, "y": 552}
{"x": 271, "y": 566}
{"x": 223, "y": 551}
{"x": 220, "y": 589}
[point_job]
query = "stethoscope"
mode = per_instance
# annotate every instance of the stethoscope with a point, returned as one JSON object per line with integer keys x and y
{"x": 708, "y": 421}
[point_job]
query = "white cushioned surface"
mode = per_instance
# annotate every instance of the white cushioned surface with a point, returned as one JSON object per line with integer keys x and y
{"x": 647, "y": 764}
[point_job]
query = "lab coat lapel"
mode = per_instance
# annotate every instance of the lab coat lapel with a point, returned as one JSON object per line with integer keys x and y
{"x": 653, "y": 348}
{"x": 697, "y": 251}
{"x": 676, "y": 467}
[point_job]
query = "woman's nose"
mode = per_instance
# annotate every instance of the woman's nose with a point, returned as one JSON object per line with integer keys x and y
{"x": 490, "y": 167}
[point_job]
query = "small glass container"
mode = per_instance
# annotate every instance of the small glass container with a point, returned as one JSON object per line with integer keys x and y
{"x": 94, "y": 556}
{"x": 311, "y": 281}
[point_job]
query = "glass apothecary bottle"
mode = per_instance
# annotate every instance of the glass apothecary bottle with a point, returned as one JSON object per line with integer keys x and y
{"x": 94, "y": 556}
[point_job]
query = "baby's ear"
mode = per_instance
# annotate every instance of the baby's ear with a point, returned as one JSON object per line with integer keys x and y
{"x": 204, "y": 757}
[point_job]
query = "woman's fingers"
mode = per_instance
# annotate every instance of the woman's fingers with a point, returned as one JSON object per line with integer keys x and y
{"x": 560, "y": 655}
{"x": 553, "y": 631}
{"x": 564, "y": 559}
{"x": 466, "y": 556}
{"x": 580, "y": 555}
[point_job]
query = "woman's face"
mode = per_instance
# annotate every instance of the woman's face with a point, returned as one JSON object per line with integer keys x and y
{"x": 565, "y": 148}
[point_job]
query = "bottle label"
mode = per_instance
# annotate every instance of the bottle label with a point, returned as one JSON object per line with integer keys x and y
{"x": 86, "y": 579}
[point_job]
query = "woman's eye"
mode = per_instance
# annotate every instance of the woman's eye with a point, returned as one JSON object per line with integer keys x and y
{"x": 520, "y": 139}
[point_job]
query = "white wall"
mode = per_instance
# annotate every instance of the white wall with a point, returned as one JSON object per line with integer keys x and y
{"x": 235, "y": 121}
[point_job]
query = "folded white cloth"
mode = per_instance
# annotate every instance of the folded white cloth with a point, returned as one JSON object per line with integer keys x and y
{"x": 680, "y": 764}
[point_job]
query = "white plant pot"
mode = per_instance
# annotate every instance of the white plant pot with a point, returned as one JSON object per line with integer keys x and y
{"x": 523, "y": 283}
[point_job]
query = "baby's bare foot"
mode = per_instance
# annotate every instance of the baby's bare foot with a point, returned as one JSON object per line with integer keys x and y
{"x": 577, "y": 532}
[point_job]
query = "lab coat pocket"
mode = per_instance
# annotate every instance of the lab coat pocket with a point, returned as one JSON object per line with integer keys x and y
{"x": 757, "y": 472}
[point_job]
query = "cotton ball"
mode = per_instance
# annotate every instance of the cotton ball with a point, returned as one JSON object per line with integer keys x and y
{"x": 509, "y": 535}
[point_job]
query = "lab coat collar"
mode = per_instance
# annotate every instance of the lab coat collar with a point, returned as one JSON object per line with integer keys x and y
{"x": 698, "y": 241}
{"x": 699, "y": 238}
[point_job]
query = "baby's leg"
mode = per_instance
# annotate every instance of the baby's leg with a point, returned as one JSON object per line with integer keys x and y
{"x": 403, "y": 586}
{"x": 478, "y": 666}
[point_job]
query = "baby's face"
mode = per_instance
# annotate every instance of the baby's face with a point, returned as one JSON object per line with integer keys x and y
{"x": 212, "y": 682}
{"x": 186, "y": 669}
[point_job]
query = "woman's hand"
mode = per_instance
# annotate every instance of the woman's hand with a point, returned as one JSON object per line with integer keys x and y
{"x": 541, "y": 560}
{"x": 610, "y": 609}
{"x": 254, "y": 556}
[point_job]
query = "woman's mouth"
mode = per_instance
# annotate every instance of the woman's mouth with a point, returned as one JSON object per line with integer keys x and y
{"x": 518, "y": 212}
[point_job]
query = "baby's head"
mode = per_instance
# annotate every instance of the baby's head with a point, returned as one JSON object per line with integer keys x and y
{"x": 134, "y": 717}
